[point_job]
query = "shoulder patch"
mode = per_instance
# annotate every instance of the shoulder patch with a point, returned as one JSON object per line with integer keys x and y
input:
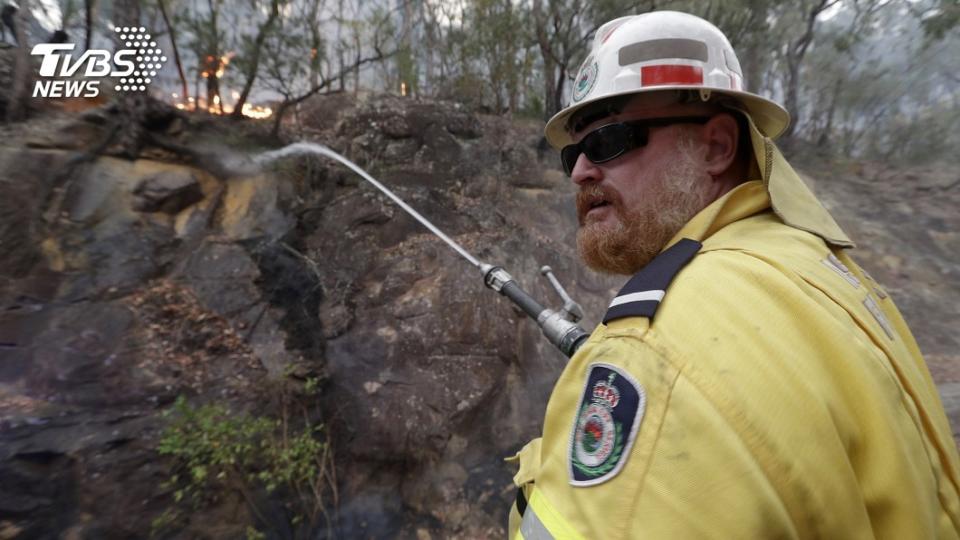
{"x": 606, "y": 424}
{"x": 641, "y": 296}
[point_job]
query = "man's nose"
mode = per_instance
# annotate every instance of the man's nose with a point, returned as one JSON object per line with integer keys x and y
{"x": 585, "y": 171}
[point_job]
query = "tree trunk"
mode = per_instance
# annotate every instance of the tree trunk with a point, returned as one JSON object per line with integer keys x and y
{"x": 88, "y": 8}
{"x": 316, "y": 43}
{"x": 212, "y": 61}
{"x": 196, "y": 91}
{"x": 20, "y": 92}
{"x": 557, "y": 102}
{"x": 132, "y": 105}
{"x": 176, "y": 53}
{"x": 790, "y": 96}
{"x": 214, "y": 103}
{"x": 753, "y": 68}
{"x": 254, "y": 66}
{"x": 340, "y": 55}
{"x": 549, "y": 65}
{"x": 429, "y": 31}
{"x": 824, "y": 139}
{"x": 407, "y": 63}
{"x": 795, "y": 54}
{"x": 356, "y": 63}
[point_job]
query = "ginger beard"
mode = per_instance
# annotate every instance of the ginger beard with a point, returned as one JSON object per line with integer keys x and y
{"x": 674, "y": 196}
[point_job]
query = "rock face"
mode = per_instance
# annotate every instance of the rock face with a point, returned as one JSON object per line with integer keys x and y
{"x": 435, "y": 378}
{"x": 124, "y": 284}
{"x": 167, "y": 192}
{"x": 132, "y": 282}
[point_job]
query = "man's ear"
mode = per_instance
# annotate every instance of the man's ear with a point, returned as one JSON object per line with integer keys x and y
{"x": 721, "y": 135}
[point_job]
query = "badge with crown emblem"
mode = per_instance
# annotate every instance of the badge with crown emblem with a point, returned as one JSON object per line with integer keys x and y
{"x": 607, "y": 421}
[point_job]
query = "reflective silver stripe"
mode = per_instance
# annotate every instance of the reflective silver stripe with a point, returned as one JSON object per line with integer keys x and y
{"x": 656, "y": 49}
{"x": 877, "y": 313}
{"x": 644, "y": 296}
{"x": 532, "y": 528}
{"x": 833, "y": 263}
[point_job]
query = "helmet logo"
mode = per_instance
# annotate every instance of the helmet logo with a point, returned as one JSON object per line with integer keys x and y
{"x": 586, "y": 79}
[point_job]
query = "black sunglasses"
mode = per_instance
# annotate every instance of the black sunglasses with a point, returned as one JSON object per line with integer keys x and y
{"x": 613, "y": 140}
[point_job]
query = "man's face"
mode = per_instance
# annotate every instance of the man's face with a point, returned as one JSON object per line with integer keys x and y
{"x": 631, "y": 206}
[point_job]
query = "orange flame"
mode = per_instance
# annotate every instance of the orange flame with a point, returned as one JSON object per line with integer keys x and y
{"x": 219, "y": 107}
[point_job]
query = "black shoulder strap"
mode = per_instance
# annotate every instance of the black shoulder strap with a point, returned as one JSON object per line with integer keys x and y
{"x": 521, "y": 501}
{"x": 641, "y": 296}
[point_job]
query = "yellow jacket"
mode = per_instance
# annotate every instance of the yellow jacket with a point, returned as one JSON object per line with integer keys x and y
{"x": 776, "y": 392}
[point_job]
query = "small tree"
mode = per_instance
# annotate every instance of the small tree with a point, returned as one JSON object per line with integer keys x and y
{"x": 562, "y": 30}
{"x": 207, "y": 41}
{"x": 249, "y": 59}
{"x": 288, "y": 63}
{"x": 213, "y": 451}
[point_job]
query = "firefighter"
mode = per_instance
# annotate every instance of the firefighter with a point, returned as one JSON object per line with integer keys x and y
{"x": 749, "y": 380}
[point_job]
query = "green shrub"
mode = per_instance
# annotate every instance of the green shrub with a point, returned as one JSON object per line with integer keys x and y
{"x": 214, "y": 451}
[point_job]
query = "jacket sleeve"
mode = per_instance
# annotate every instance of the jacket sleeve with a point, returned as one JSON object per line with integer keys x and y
{"x": 686, "y": 474}
{"x": 703, "y": 481}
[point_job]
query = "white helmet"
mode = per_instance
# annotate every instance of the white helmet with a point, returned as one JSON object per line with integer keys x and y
{"x": 662, "y": 50}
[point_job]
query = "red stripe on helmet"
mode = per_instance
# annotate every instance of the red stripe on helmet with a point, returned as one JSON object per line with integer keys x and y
{"x": 661, "y": 75}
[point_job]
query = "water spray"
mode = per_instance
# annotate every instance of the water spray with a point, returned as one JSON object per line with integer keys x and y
{"x": 559, "y": 327}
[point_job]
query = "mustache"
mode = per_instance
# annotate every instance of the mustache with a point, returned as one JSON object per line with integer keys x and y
{"x": 591, "y": 193}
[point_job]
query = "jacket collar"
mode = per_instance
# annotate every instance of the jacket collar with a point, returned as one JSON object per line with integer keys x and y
{"x": 741, "y": 202}
{"x": 790, "y": 198}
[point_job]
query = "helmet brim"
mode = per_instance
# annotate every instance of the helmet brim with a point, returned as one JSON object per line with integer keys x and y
{"x": 769, "y": 117}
